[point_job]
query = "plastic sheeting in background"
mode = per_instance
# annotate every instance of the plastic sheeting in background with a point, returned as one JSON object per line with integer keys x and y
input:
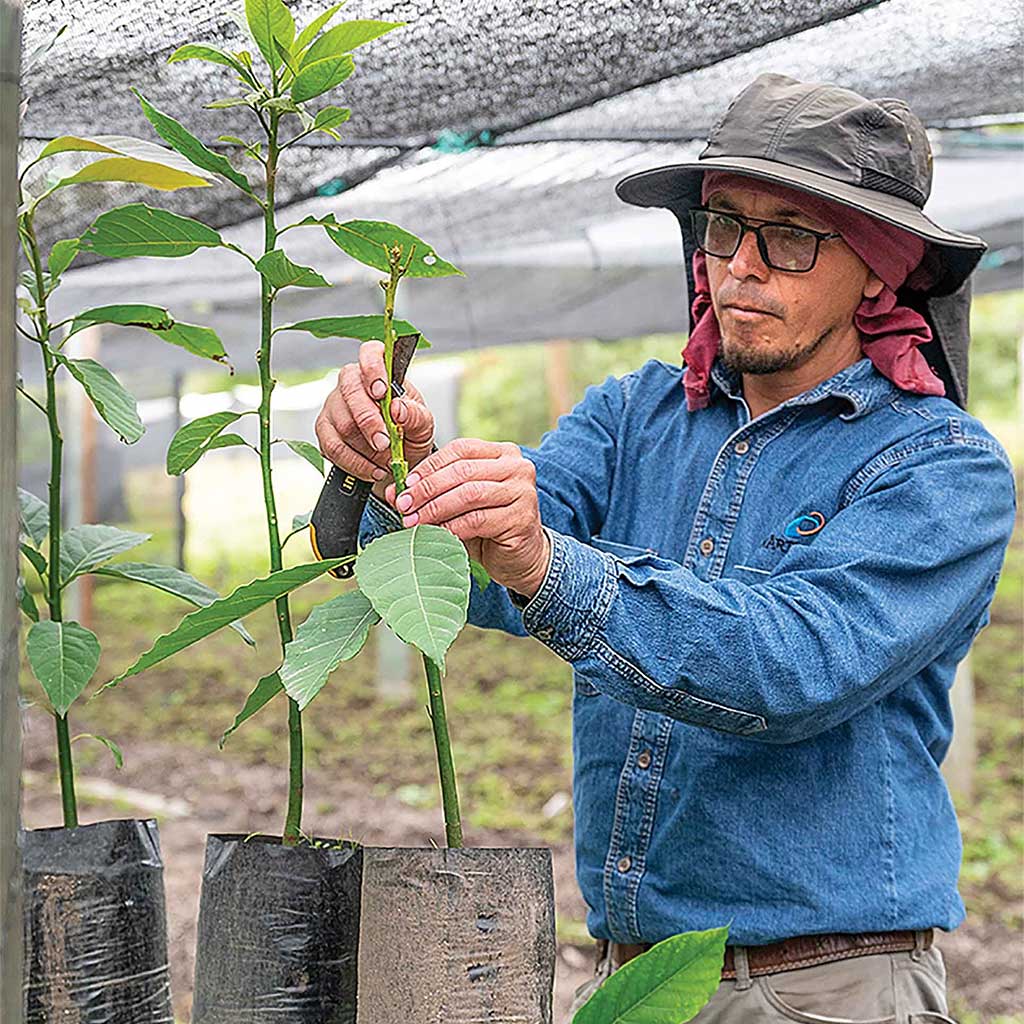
{"x": 95, "y": 925}
{"x": 461, "y": 936}
{"x": 278, "y": 933}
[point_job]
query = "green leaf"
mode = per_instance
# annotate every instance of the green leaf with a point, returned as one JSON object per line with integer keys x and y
{"x": 37, "y": 560}
{"x": 301, "y": 521}
{"x": 308, "y": 34}
{"x": 200, "y": 341}
{"x": 269, "y": 20}
{"x": 480, "y": 574}
{"x": 418, "y": 582}
{"x": 264, "y": 692}
{"x": 177, "y": 135}
{"x": 171, "y": 580}
{"x": 280, "y": 272}
{"x": 63, "y": 656}
{"x": 345, "y": 38}
{"x": 61, "y": 256}
{"x": 227, "y": 441}
{"x": 334, "y": 632}
{"x": 234, "y": 139}
{"x": 27, "y": 602}
{"x": 111, "y": 399}
{"x": 247, "y": 598}
{"x": 140, "y": 230}
{"x": 84, "y": 547}
{"x": 128, "y": 315}
{"x": 363, "y": 328}
{"x": 370, "y": 240}
{"x": 227, "y": 104}
{"x": 74, "y": 144}
{"x": 319, "y": 77}
{"x": 672, "y": 981}
{"x": 34, "y": 516}
{"x": 114, "y": 749}
{"x": 309, "y": 452}
{"x": 141, "y": 172}
{"x": 330, "y": 118}
{"x": 193, "y": 439}
{"x": 197, "y": 51}
{"x": 285, "y": 104}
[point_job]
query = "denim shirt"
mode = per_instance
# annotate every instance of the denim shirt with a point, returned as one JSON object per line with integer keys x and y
{"x": 764, "y": 617}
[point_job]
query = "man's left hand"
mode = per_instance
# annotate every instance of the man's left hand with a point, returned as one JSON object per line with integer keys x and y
{"x": 486, "y": 494}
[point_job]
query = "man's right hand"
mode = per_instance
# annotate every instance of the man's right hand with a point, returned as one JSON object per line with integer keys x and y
{"x": 350, "y": 427}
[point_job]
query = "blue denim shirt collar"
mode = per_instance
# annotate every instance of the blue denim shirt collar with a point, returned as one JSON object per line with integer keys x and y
{"x": 859, "y": 384}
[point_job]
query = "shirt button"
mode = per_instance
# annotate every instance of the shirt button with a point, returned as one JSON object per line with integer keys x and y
{"x": 544, "y": 633}
{"x": 644, "y": 759}
{"x": 742, "y": 447}
{"x": 624, "y": 864}
{"x": 707, "y": 545}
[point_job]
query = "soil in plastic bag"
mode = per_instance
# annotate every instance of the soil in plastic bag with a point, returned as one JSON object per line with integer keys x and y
{"x": 278, "y": 933}
{"x": 461, "y": 936}
{"x": 95, "y": 925}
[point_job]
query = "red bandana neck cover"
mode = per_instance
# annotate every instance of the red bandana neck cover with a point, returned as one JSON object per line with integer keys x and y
{"x": 890, "y": 333}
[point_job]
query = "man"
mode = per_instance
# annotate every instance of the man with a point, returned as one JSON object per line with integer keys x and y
{"x": 763, "y": 570}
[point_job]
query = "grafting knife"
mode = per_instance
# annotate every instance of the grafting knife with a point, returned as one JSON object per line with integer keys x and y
{"x": 334, "y": 525}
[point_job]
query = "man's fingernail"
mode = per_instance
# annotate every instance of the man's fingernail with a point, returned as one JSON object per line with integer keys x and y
{"x": 411, "y": 519}
{"x": 379, "y": 474}
{"x": 412, "y": 478}
{"x": 380, "y": 441}
{"x": 404, "y": 502}
{"x": 378, "y": 389}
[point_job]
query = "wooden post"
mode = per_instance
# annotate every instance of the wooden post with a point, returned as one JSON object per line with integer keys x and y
{"x": 559, "y": 379}
{"x": 10, "y": 714}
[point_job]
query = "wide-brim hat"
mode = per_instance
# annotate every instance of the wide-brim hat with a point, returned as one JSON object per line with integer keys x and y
{"x": 871, "y": 155}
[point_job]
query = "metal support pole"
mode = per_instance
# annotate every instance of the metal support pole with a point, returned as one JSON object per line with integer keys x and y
{"x": 10, "y": 714}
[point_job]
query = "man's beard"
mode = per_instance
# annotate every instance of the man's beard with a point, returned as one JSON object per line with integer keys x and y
{"x": 744, "y": 358}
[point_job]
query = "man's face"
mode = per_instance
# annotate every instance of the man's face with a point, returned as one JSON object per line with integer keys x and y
{"x": 788, "y": 316}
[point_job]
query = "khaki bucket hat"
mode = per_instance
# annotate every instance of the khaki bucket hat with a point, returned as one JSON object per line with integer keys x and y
{"x": 871, "y": 155}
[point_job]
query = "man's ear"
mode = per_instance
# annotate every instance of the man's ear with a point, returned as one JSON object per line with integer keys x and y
{"x": 873, "y": 286}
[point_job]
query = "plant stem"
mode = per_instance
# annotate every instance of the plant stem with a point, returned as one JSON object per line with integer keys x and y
{"x": 445, "y": 764}
{"x": 293, "y": 818}
{"x": 65, "y": 765}
{"x": 400, "y": 469}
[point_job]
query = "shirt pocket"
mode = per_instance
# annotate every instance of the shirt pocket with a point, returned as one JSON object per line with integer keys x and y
{"x": 624, "y": 552}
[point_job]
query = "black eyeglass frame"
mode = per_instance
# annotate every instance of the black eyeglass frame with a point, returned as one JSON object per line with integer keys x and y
{"x": 762, "y": 246}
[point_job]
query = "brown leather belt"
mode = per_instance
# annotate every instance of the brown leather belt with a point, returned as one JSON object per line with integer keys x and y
{"x": 791, "y": 954}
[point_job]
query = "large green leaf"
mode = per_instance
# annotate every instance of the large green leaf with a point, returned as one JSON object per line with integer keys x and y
{"x": 334, "y": 632}
{"x": 247, "y": 598}
{"x": 127, "y": 315}
{"x": 322, "y": 75}
{"x": 194, "y": 338}
{"x": 141, "y": 230}
{"x": 84, "y": 547}
{"x": 671, "y": 982}
{"x": 280, "y": 272}
{"x": 308, "y": 34}
{"x": 140, "y": 172}
{"x": 370, "y": 240}
{"x": 269, "y": 20}
{"x": 418, "y": 582}
{"x": 345, "y": 38}
{"x": 263, "y": 692}
{"x": 34, "y": 516}
{"x": 364, "y": 328}
{"x": 192, "y": 440}
{"x": 63, "y": 656}
{"x": 177, "y": 135}
{"x": 171, "y": 580}
{"x": 112, "y": 400}
{"x": 309, "y": 452}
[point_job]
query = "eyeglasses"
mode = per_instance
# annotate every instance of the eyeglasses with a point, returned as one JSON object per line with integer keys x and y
{"x": 782, "y": 246}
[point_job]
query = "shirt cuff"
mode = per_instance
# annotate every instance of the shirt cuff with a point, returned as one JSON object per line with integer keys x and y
{"x": 574, "y": 598}
{"x": 378, "y": 518}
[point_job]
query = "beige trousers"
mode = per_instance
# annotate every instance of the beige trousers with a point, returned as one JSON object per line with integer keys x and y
{"x": 886, "y": 988}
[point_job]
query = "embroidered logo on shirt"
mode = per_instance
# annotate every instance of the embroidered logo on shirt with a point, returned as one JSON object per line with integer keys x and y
{"x": 806, "y": 525}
